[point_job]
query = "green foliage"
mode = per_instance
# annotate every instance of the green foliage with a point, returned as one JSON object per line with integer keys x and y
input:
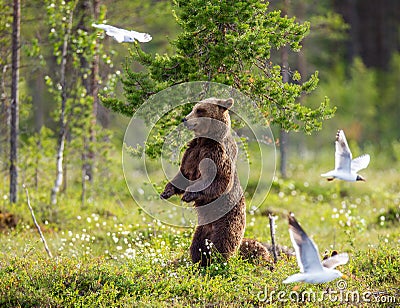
{"x": 366, "y": 101}
{"x": 98, "y": 282}
{"x": 389, "y": 218}
{"x": 387, "y": 106}
{"x": 331, "y": 25}
{"x": 378, "y": 264}
{"x": 5, "y": 77}
{"x": 5, "y": 30}
{"x": 72, "y": 81}
{"x": 324, "y": 47}
{"x": 81, "y": 43}
{"x": 355, "y": 96}
{"x": 35, "y": 153}
{"x": 229, "y": 43}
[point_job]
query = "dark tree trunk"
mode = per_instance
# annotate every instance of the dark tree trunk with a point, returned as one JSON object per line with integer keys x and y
{"x": 283, "y": 143}
{"x": 94, "y": 91}
{"x": 103, "y": 116}
{"x": 84, "y": 171}
{"x": 86, "y": 167}
{"x": 283, "y": 135}
{"x": 37, "y": 161}
{"x": 301, "y": 57}
{"x": 302, "y": 60}
{"x": 101, "y": 113}
{"x": 5, "y": 121}
{"x": 91, "y": 86}
{"x": 14, "y": 102}
{"x": 38, "y": 99}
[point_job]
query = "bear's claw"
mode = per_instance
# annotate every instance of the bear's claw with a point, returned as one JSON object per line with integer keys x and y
{"x": 168, "y": 192}
{"x": 164, "y": 195}
{"x": 189, "y": 196}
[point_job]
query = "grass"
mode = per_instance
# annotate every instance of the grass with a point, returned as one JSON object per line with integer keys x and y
{"x": 109, "y": 253}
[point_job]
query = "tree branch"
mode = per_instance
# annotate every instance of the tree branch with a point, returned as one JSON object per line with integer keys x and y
{"x": 272, "y": 230}
{"x": 36, "y": 223}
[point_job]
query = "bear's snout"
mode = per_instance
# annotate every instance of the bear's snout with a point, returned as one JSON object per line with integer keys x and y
{"x": 189, "y": 124}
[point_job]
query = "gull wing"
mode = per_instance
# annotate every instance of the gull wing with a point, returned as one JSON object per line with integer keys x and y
{"x": 342, "y": 153}
{"x": 119, "y": 37}
{"x": 360, "y": 163}
{"x": 336, "y": 260}
{"x": 141, "y": 37}
{"x": 122, "y": 35}
{"x": 105, "y": 27}
{"x": 112, "y": 31}
{"x": 118, "y": 34}
{"x": 306, "y": 250}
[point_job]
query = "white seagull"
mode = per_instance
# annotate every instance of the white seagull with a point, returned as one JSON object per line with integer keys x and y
{"x": 345, "y": 168}
{"x": 122, "y": 35}
{"x": 311, "y": 268}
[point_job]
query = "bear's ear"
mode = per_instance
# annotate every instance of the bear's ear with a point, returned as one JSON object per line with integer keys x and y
{"x": 226, "y": 104}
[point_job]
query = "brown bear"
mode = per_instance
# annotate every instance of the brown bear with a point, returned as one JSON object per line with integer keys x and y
{"x": 208, "y": 177}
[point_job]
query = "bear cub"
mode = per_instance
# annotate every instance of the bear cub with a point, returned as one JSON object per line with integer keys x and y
{"x": 208, "y": 177}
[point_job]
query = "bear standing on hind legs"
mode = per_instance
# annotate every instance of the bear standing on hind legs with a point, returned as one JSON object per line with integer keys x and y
{"x": 208, "y": 177}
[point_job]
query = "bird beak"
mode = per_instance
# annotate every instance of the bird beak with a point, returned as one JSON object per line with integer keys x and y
{"x": 344, "y": 276}
{"x": 360, "y": 178}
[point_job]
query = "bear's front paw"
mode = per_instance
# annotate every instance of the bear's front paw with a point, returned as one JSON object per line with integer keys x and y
{"x": 190, "y": 196}
{"x": 168, "y": 192}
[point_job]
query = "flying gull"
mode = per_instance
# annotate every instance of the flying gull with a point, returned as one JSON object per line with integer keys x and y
{"x": 345, "y": 168}
{"x": 122, "y": 35}
{"x": 311, "y": 268}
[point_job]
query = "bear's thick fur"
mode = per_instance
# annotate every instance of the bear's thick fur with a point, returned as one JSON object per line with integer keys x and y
{"x": 208, "y": 177}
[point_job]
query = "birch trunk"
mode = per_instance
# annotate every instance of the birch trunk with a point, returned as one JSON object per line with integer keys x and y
{"x": 61, "y": 136}
{"x": 94, "y": 91}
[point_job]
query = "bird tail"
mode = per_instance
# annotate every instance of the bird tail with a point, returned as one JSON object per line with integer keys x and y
{"x": 293, "y": 278}
{"x": 327, "y": 174}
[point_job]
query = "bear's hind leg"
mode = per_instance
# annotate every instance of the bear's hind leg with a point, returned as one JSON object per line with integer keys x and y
{"x": 199, "y": 252}
{"x": 253, "y": 250}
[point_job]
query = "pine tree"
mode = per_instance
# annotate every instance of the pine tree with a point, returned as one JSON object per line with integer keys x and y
{"x": 228, "y": 42}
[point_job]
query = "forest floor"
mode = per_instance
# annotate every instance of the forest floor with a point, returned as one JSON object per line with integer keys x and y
{"x": 110, "y": 253}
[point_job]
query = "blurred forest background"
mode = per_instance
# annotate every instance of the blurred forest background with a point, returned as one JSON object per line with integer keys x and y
{"x": 353, "y": 44}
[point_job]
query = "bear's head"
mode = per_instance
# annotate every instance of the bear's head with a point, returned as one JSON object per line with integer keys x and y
{"x": 210, "y": 118}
